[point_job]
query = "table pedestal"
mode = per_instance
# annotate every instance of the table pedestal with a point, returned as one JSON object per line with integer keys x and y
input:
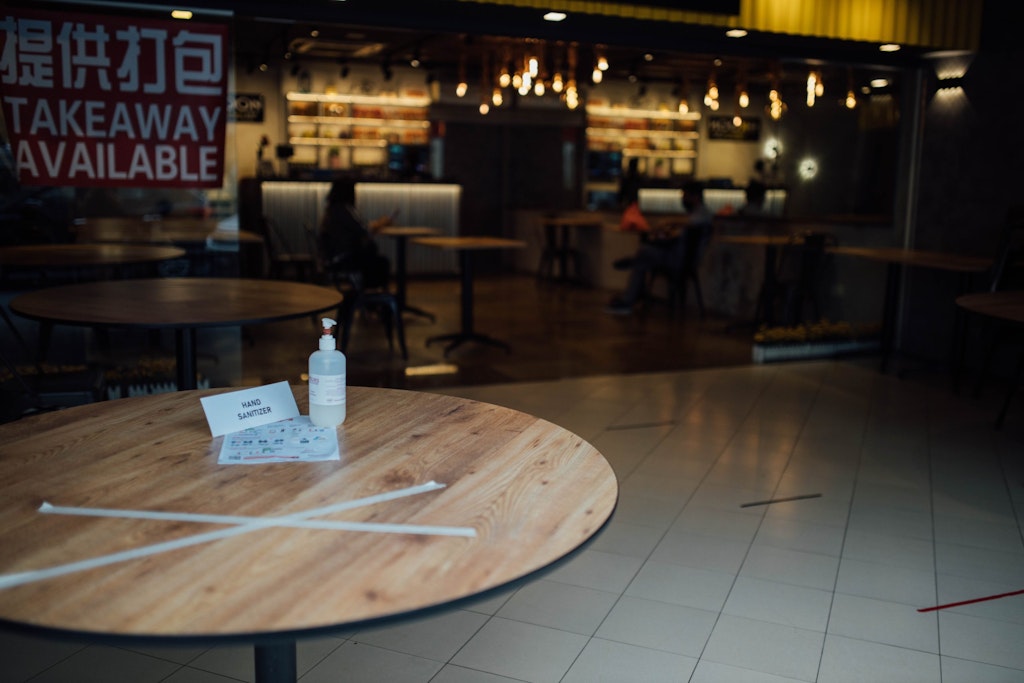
{"x": 276, "y": 663}
{"x": 466, "y": 333}
{"x": 401, "y": 279}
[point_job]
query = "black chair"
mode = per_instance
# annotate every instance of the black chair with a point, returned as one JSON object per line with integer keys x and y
{"x": 348, "y": 279}
{"x": 284, "y": 261}
{"x": 800, "y": 276}
{"x": 679, "y": 276}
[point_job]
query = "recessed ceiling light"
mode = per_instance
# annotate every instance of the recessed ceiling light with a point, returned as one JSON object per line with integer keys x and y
{"x": 736, "y": 33}
{"x": 879, "y": 82}
{"x": 181, "y": 14}
{"x": 555, "y": 16}
{"x": 889, "y": 47}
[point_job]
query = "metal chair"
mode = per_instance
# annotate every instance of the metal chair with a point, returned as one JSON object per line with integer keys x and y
{"x": 285, "y": 262}
{"x": 348, "y": 279}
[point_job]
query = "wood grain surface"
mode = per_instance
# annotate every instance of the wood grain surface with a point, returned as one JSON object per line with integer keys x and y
{"x": 176, "y": 302}
{"x": 939, "y": 260}
{"x": 1008, "y": 305}
{"x": 470, "y": 243}
{"x": 78, "y": 255}
{"x": 532, "y": 491}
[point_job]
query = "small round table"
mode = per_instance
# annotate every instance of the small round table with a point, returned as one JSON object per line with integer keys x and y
{"x": 466, "y": 246}
{"x": 401, "y": 235}
{"x": 528, "y": 492}
{"x": 182, "y": 304}
{"x": 1008, "y": 307}
{"x": 31, "y": 256}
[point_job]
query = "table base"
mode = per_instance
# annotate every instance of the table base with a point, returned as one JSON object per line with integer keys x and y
{"x": 406, "y": 308}
{"x": 459, "y": 338}
{"x": 276, "y": 663}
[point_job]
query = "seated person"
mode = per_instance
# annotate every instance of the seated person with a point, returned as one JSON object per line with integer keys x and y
{"x": 756, "y": 194}
{"x": 664, "y": 250}
{"x": 346, "y": 240}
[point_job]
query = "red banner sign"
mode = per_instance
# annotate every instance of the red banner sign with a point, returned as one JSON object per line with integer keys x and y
{"x": 107, "y": 101}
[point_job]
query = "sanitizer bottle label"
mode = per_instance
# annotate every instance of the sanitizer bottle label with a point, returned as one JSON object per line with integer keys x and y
{"x": 327, "y": 390}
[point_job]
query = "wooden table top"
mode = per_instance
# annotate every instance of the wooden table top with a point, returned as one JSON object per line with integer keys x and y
{"x": 128, "y": 230}
{"x": 532, "y": 491}
{"x": 470, "y": 243}
{"x": 80, "y": 255}
{"x": 575, "y": 220}
{"x": 1003, "y": 305}
{"x": 406, "y": 231}
{"x": 176, "y": 302}
{"x": 917, "y": 257}
{"x": 756, "y": 240}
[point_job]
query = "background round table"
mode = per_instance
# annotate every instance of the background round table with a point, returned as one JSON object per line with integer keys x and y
{"x": 182, "y": 304}
{"x": 532, "y": 491}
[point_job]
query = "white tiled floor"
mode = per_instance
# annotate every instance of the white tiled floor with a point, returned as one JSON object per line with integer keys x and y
{"x": 920, "y": 505}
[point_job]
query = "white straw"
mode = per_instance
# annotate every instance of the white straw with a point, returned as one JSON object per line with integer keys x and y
{"x": 10, "y": 580}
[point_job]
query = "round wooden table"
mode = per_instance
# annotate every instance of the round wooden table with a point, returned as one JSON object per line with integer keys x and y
{"x": 530, "y": 491}
{"x": 897, "y": 259}
{"x": 466, "y": 246}
{"x": 182, "y": 304}
{"x": 401, "y": 235}
{"x": 1008, "y": 307}
{"x": 28, "y": 256}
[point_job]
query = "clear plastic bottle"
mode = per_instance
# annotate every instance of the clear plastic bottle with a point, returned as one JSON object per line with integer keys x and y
{"x": 327, "y": 381}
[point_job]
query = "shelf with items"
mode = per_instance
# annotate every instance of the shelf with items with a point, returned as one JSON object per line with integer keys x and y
{"x": 330, "y": 130}
{"x": 645, "y": 133}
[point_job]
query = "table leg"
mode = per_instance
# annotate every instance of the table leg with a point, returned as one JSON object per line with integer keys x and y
{"x": 401, "y": 280}
{"x": 185, "y": 349}
{"x": 893, "y": 276}
{"x": 467, "y": 333}
{"x": 547, "y": 258}
{"x": 563, "y": 254}
{"x": 276, "y": 663}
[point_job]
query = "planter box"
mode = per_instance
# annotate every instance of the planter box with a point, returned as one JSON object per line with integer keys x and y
{"x": 770, "y": 353}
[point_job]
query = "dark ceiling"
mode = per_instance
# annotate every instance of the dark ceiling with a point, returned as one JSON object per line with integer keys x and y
{"x": 441, "y": 33}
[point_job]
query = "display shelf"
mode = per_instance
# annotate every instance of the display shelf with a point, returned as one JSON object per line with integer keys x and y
{"x": 338, "y": 131}
{"x": 644, "y": 133}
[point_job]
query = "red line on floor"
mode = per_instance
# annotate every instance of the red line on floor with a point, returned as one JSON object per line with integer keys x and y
{"x": 970, "y": 602}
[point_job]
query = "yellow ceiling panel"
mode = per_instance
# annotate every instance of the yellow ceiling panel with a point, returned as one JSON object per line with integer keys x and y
{"x": 944, "y": 24}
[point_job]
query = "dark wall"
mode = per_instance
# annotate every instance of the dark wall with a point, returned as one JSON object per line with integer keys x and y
{"x": 971, "y": 173}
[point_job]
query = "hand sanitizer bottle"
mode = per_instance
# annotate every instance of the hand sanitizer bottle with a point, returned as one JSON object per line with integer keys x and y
{"x": 327, "y": 381}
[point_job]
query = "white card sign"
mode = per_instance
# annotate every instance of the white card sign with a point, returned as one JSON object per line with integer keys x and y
{"x": 238, "y": 410}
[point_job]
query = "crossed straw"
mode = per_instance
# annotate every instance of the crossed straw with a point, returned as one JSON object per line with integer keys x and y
{"x": 240, "y": 525}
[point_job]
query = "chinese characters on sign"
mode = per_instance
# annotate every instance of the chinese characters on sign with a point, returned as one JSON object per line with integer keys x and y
{"x": 107, "y": 101}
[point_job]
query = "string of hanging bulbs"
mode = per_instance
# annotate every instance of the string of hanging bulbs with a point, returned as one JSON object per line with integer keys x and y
{"x": 537, "y": 69}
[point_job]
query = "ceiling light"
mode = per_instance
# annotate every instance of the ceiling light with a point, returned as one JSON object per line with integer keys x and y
{"x": 555, "y": 16}
{"x": 889, "y": 47}
{"x": 181, "y": 14}
{"x": 736, "y": 33}
{"x": 879, "y": 82}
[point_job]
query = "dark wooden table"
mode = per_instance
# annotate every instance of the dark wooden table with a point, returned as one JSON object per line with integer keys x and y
{"x": 401, "y": 235}
{"x": 466, "y": 247}
{"x": 764, "y": 314}
{"x": 1007, "y": 307}
{"x": 897, "y": 260}
{"x": 181, "y": 304}
{"x": 524, "y": 492}
{"x": 138, "y": 230}
{"x": 61, "y": 256}
{"x": 558, "y": 244}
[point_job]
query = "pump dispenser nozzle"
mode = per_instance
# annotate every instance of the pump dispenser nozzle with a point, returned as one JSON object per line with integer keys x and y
{"x": 327, "y": 342}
